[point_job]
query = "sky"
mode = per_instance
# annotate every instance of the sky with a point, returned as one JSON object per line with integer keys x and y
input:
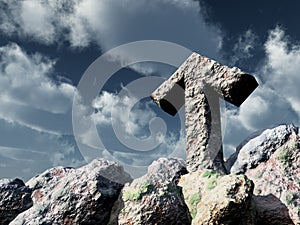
{"x": 46, "y": 48}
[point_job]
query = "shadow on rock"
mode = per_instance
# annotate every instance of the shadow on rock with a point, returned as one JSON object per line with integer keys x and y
{"x": 270, "y": 210}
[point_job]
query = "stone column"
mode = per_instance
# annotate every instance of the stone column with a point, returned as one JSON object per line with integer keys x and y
{"x": 199, "y": 83}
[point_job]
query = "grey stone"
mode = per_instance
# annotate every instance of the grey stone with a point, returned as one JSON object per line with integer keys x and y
{"x": 199, "y": 82}
{"x": 74, "y": 196}
{"x": 155, "y": 197}
{"x": 259, "y": 149}
{"x": 270, "y": 210}
{"x": 277, "y": 183}
{"x": 213, "y": 198}
{"x": 14, "y": 199}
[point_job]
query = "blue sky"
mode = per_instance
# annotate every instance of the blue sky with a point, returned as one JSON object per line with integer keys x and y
{"x": 46, "y": 46}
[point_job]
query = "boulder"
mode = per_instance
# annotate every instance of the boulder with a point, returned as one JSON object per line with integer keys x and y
{"x": 155, "y": 197}
{"x": 213, "y": 198}
{"x": 74, "y": 196}
{"x": 14, "y": 199}
{"x": 270, "y": 210}
{"x": 259, "y": 147}
{"x": 277, "y": 184}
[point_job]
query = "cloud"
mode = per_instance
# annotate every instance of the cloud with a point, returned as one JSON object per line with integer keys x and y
{"x": 133, "y": 123}
{"x": 134, "y": 117}
{"x": 127, "y": 131}
{"x": 28, "y": 94}
{"x": 283, "y": 66}
{"x": 25, "y": 152}
{"x": 110, "y": 23}
{"x": 244, "y": 47}
{"x": 276, "y": 100}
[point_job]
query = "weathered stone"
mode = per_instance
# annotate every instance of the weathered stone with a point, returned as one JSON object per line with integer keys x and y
{"x": 75, "y": 196}
{"x": 259, "y": 147}
{"x": 14, "y": 199}
{"x": 155, "y": 198}
{"x": 270, "y": 210}
{"x": 277, "y": 181}
{"x": 199, "y": 82}
{"x": 213, "y": 198}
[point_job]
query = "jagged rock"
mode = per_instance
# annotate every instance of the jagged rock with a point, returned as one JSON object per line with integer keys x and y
{"x": 213, "y": 198}
{"x": 199, "y": 82}
{"x": 14, "y": 199}
{"x": 255, "y": 150}
{"x": 155, "y": 198}
{"x": 74, "y": 196}
{"x": 277, "y": 184}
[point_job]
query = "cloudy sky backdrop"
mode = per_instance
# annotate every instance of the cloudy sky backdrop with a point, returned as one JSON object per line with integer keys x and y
{"x": 45, "y": 47}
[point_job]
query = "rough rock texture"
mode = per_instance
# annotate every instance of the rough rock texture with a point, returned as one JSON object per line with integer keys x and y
{"x": 198, "y": 83}
{"x": 74, "y": 196}
{"x": 216, "y": 199}
{"x": 277, "y": 184}
{"x": 259, "y": 149}
{"x": 14, "y": 199}
{"x": 270, "y": 210}
{"x": 155, "y": 198}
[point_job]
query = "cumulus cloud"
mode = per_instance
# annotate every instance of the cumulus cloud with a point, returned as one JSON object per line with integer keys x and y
{"x": 126, "y": 132}
{"x": 110, "y": 23}
{"x": 109, "y": 103}
{"x": 28, "y": 95}
{"x": 276, "y": 100}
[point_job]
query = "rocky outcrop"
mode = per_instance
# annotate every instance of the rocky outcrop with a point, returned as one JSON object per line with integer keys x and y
{"x": 155, "y": 198}
{"x": 279, "y": 177}
{"x": 256, "y": 150}
{"x": 271, "y": 159}
{"x": 266, "y": 190}
{"x": 216, "y": 199}
{"x": 74, "y": 196}
{"x": 14, "y": 199}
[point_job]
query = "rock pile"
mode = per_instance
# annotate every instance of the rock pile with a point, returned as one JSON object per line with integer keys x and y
{"x": 263, "y": 188}
{"x": 74, "y": 196}
{"x": 271, "y": 160}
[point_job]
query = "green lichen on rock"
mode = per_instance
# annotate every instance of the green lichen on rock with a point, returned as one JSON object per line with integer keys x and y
{"x": 259, "y": 174}
{"x": 212, "y": 179}
{"x": 137, "y": 193}
{"x": 285, "y": 157}
{"x": 194, "y": 200}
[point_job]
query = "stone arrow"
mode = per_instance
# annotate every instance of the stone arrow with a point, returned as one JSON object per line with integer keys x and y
{"x": 199, "y": 83}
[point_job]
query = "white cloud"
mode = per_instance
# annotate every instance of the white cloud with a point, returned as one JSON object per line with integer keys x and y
{"x": 27, "y": 93}
{"x": 35, "y": 20}
{"x": 114, "y": 113}
{"x": 110, "y": 23}
{"x": 283, "y": 66}
{"x": 130, "y": 115}
{"x": 276, "y": 100}
{"x": 244, "y": 47}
